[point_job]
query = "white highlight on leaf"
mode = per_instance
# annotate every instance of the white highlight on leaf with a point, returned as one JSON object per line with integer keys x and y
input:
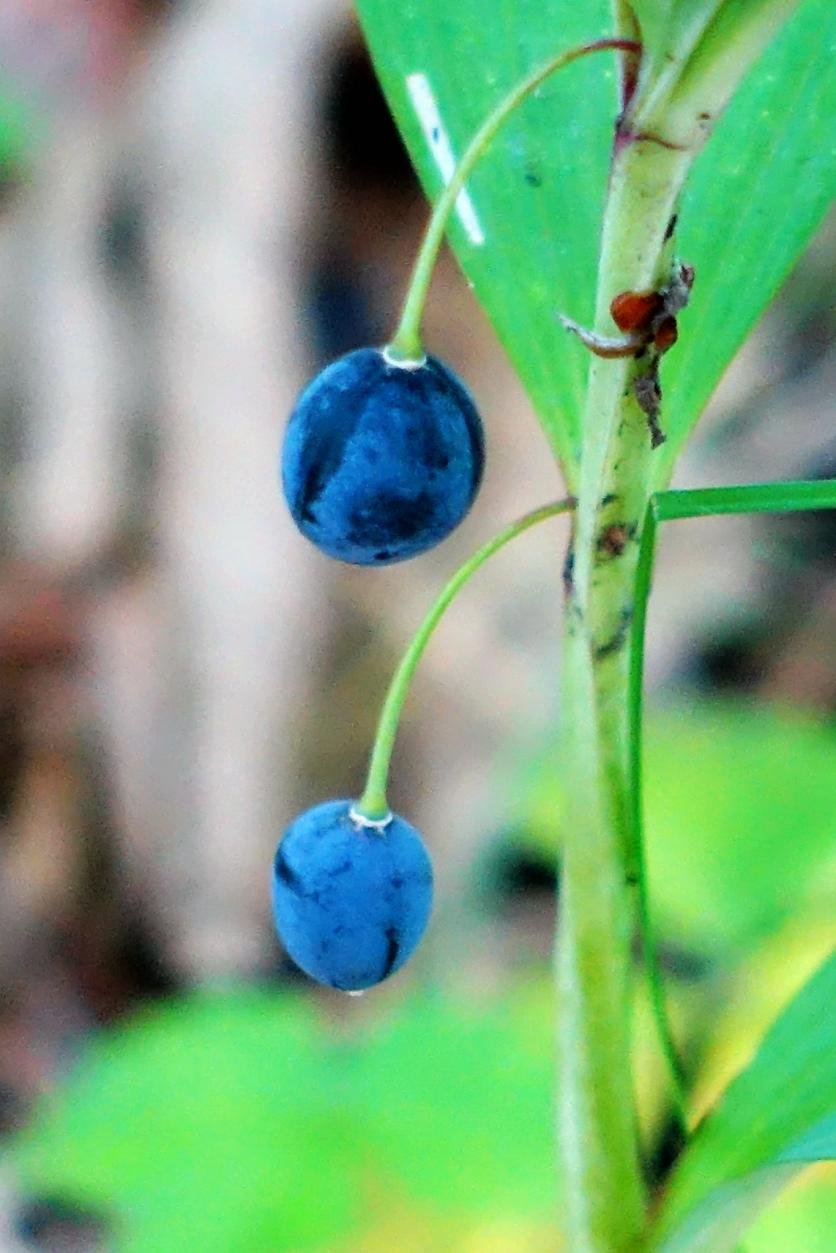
{"x": 426, "y": 109}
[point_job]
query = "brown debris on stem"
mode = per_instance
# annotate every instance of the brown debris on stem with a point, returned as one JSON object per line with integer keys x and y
{"x": 648, "y": 319}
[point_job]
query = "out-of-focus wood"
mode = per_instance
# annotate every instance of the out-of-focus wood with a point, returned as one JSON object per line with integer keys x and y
{"x": 227, "y": 168}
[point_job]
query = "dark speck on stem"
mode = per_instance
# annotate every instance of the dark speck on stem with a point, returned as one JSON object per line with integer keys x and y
{"x": 614, "y": 539}
{"x": 618, "y": 639}
{"x": 569, "y": 573}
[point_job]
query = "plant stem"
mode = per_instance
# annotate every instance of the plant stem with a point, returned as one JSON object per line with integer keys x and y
{"x": 373, "y": 803}
{"x": 599, "y": 1144}
{"x": 661, "y": 128}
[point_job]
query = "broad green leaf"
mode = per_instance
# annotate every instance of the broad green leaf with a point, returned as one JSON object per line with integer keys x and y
{"x": 754, "y": 993}
{"x": 757, "y": 193}
{"x": 473, "y": 1128}
{"x": 778, "y": 1115}
{"x": 244, "y": 1121}
{"x": 528, "y": 241}
{"x": 538, "y": 194}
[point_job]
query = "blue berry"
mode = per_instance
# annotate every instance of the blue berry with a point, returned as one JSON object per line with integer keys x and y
{"x": 381, "y": 462}
{"x": 350, "y": 902}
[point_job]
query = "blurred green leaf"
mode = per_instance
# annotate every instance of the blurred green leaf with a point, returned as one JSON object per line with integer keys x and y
{"x": 758, "y": 190}
{"x": 779, "y": 1114}
{"x": 17, "y": 129}
{"x": 472, "y": 1129}
{"x": 204, "y": 1123}
{"x": 739, "y": 819}
{"x": 247, "y": 1122}
{"x": 739, "y": 805}
{"x": 803, "y": 1218}
{"x": 242, "y": 1122}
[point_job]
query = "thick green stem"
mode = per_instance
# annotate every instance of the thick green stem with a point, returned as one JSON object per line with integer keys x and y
{"x": 661, "y": 130}
{"x": 605, "y": 1196}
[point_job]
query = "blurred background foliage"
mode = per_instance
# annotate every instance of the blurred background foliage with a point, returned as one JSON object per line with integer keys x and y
{"x": 249, "y": 1118}
{"x": 178, "y": 674}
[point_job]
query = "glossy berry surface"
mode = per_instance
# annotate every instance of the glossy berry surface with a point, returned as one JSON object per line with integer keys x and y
{"x": 350, "y": 902}
{"x": 381, "y": 462}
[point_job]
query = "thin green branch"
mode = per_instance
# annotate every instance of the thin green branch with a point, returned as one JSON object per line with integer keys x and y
{"x": 706, "y": 502}
{"x": 406, "y": 343}
{"x": 373, "y": 804}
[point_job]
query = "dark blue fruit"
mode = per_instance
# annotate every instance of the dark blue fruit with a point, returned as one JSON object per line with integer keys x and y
{"x": 380, "y": 461}
{"x": 350, "y": 902}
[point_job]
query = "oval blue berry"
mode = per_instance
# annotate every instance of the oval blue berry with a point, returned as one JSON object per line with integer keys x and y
{"x": 381, "y": 462}
{"x": 350, "y": 902}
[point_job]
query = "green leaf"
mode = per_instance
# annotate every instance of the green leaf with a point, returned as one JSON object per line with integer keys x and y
{"x": 714, "y": 823}
{"x": 472, "y": 1127}
{"x": 538, "y": 193}
{"x": 757, "y": 194}
{"x": 18, "y": 128}
{"x": 803, "y": 1218}
{"x": 778, "y": 1115}
{"x": 203, "y": 1122}
{"x": 755, "y": 197}
{"x": 745, "y": 815}
{"x": 241, "y": 1120}
{"x": 768, "y": 824}
{"x": 686, "y": 40}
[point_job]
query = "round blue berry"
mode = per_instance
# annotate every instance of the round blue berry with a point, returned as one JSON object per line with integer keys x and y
{"x": 351, "y": 902}
{"x": 381, "y": 461}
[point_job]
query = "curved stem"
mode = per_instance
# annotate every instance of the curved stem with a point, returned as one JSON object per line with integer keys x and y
{"x": 406, "y": 343}
{"x": 373, "y": 804}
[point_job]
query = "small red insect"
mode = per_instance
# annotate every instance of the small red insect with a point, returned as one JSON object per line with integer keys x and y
{"x": 635, "y": 310}
{"x": 665, "y": 335}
